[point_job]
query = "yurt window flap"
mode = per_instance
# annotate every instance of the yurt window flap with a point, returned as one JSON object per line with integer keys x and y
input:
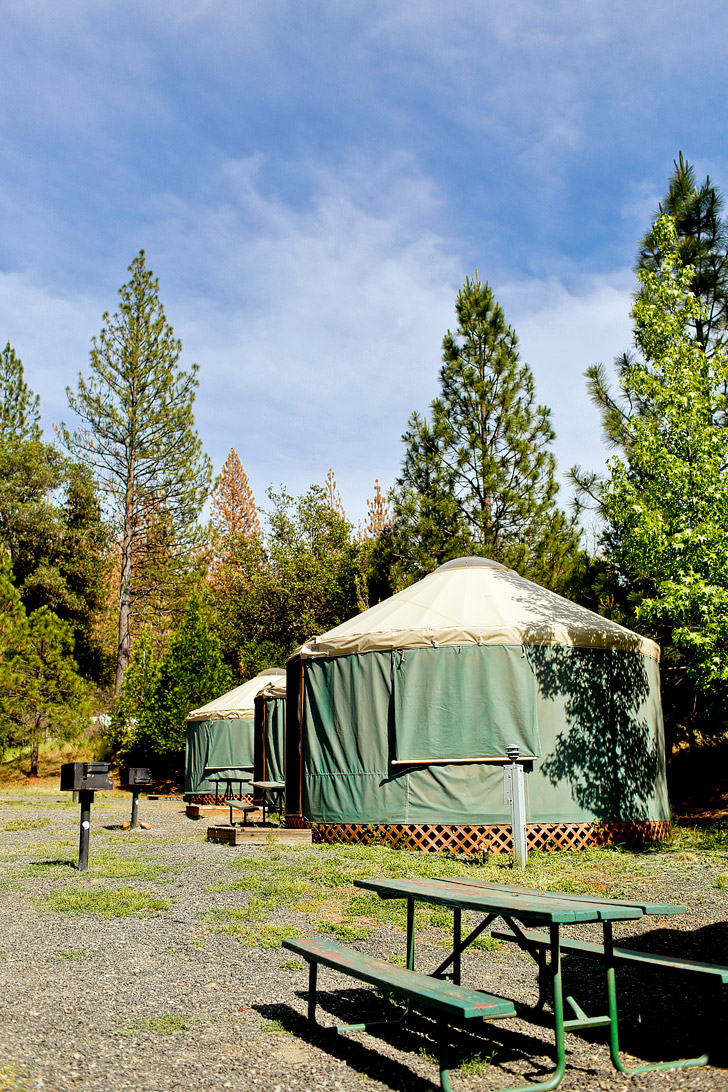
{"x": 463, "y": 704}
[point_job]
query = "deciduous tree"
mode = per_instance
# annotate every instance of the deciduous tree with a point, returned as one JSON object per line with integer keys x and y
{"x": 665, "y": 500}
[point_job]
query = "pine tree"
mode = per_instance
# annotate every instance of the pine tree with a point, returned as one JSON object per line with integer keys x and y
{"x": 40, "y": 688}
{"x": 479, "y": 476}
{"x": 233, "y": 511}
{"x": 137, "y": 432}
{"x": 333, "y": 496}
{"x": 51, "y": 523}
{"x": 136, "y": 697}
{"x": 19, "y": 411}
{"x": 191, "y": 672}
{"x": 702, "y": 245}
{"x": 379, "y": 514}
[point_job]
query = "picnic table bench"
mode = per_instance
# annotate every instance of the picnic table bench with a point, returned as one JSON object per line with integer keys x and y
{"x": 239, "y": 806}
{"x": 621, "y": 955}
{"x": 451, "y": 1003}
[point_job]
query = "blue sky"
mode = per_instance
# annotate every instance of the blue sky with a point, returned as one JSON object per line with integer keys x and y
{"x": 313, "y": 180}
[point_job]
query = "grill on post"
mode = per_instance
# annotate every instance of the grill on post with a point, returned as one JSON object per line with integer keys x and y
{"x": 85, "y": 778}
{"x": 134, "y": 779}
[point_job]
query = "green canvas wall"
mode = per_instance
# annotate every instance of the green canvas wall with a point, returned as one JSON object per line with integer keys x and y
{"x": 275, "y": 738}
{"x": 591, "y": 717}
{"x": 227, "y": 744}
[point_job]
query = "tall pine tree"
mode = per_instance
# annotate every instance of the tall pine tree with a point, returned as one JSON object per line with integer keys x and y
{"x": 702, "y": 247}
{"x": 50, "y": 520}
{"x": 479, "y": 475}
{"x": 137, "y": 432}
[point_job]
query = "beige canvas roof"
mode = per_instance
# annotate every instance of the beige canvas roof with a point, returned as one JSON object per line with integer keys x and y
{"x": 275, "y": 689}
{"x": 475, "y": 601}
{"x": 238, "y": 702}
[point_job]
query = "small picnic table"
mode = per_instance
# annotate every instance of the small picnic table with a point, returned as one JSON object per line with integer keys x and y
{"x": 228, "y": 781}
{"x": 275, "y": 789}
{"x": 519, "y": 907}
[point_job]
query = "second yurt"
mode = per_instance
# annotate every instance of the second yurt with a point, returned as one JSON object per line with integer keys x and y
{"x": 219, "y": 745}
{"x": 399, "y": 719}
{"x": 270, "y": 732}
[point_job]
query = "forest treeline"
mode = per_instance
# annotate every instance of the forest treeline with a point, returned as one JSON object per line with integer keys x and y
{"x": 117, "y": 601}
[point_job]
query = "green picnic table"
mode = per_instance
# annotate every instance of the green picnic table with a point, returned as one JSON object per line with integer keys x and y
{"x": 518, "y": 907}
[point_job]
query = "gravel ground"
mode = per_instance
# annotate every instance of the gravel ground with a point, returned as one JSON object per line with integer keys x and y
{"x": 159, "y": 1001}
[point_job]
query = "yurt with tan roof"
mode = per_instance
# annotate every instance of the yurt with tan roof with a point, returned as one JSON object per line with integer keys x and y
{"x": 269, "y": 759}
{"x": 219, "y": 744}
{"x": 398, "y": 720}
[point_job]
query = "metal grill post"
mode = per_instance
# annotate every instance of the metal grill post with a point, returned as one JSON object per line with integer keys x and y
{"x": 87, "y": 798}
{"x": 514, "y": 793}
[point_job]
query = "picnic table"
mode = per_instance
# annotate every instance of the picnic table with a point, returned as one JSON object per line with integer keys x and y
{"x": 228, "y": 781}
{"x": 519, "y": 906}
{"x": 521, "y": 909}
{"x": 272, "y": 790}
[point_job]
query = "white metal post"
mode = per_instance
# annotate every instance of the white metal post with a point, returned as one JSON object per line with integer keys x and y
{"x": 514, "y": 793}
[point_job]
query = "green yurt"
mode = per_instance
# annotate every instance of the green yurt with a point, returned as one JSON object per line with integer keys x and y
{"x": 219, "y": 747}
{"x": 269, "y": 760}
{"x": 398, "y": 720}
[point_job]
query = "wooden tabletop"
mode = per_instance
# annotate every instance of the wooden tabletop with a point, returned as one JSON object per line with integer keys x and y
{"x": 270, "y": 785}
{"x": 524, "y": 904}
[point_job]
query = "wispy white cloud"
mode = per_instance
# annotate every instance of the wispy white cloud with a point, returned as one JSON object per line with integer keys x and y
{"x": 562, "y": 331}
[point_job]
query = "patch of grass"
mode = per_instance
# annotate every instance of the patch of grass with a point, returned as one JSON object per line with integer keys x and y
{"x": 167, "y": 1024}
{"x": 12, "y": 1080}
{"x": 292, "y": 965}
{"x": 272, "y": 936}
{"x": 109, "y": 867}
{"x": 721, "y": 881}
{"x": 26, "y": 824}
{"x": 54, "y": 866}
{"x": 106, "y": 902}
{"x": 477, "y": 1064}
{"x": 342, "y": 930}
{"x": 276, "y": 1027}
{"x": 486, "y": 943}
{"x": 104, "y": 867}
{"x": 72, "y": 953}
{"x": 254, "y": 934}
{"x": 397, "y": 959}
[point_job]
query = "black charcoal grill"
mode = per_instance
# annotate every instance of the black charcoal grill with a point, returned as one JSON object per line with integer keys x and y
{"x": 85, "y": 778}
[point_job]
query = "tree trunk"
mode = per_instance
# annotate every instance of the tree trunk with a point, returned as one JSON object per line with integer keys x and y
{"x": 34, "y": 759}
{"x": 123, "y": 651}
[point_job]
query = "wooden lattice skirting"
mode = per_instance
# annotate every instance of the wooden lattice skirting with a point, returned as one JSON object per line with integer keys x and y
{"x": 211, "y": 798}
{"x": 490, "y": 839}
{"x": 297, "y": 822}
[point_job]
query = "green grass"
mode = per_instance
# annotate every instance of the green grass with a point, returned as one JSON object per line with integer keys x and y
{"x": 291, "y": 965}
{"x": 167, "y": 1024}
{"x": 72, "y": 953}
{"x": 104, "y": 866}
{"x": 105, "y": 902}
{"x": 26, "y": 824}
{"x": 249, "y": 931}
{"x": 477, "y": 1064}
{"x": 12, "y": 1080}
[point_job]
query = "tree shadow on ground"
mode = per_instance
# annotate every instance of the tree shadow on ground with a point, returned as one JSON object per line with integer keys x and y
{"x": 506, "y": 1053}
{"x": 663, "y": 1013}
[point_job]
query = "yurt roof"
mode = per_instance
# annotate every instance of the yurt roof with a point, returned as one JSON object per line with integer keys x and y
{"x": 238, "y": 702}
{"x": 275, "y": 689}
{"x": 474, "y": 600}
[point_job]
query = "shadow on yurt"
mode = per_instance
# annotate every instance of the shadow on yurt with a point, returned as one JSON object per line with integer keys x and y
{"x": 398, "y": 720}
{"x": 269, "y": 742}
{"x": 219, "y": 746}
